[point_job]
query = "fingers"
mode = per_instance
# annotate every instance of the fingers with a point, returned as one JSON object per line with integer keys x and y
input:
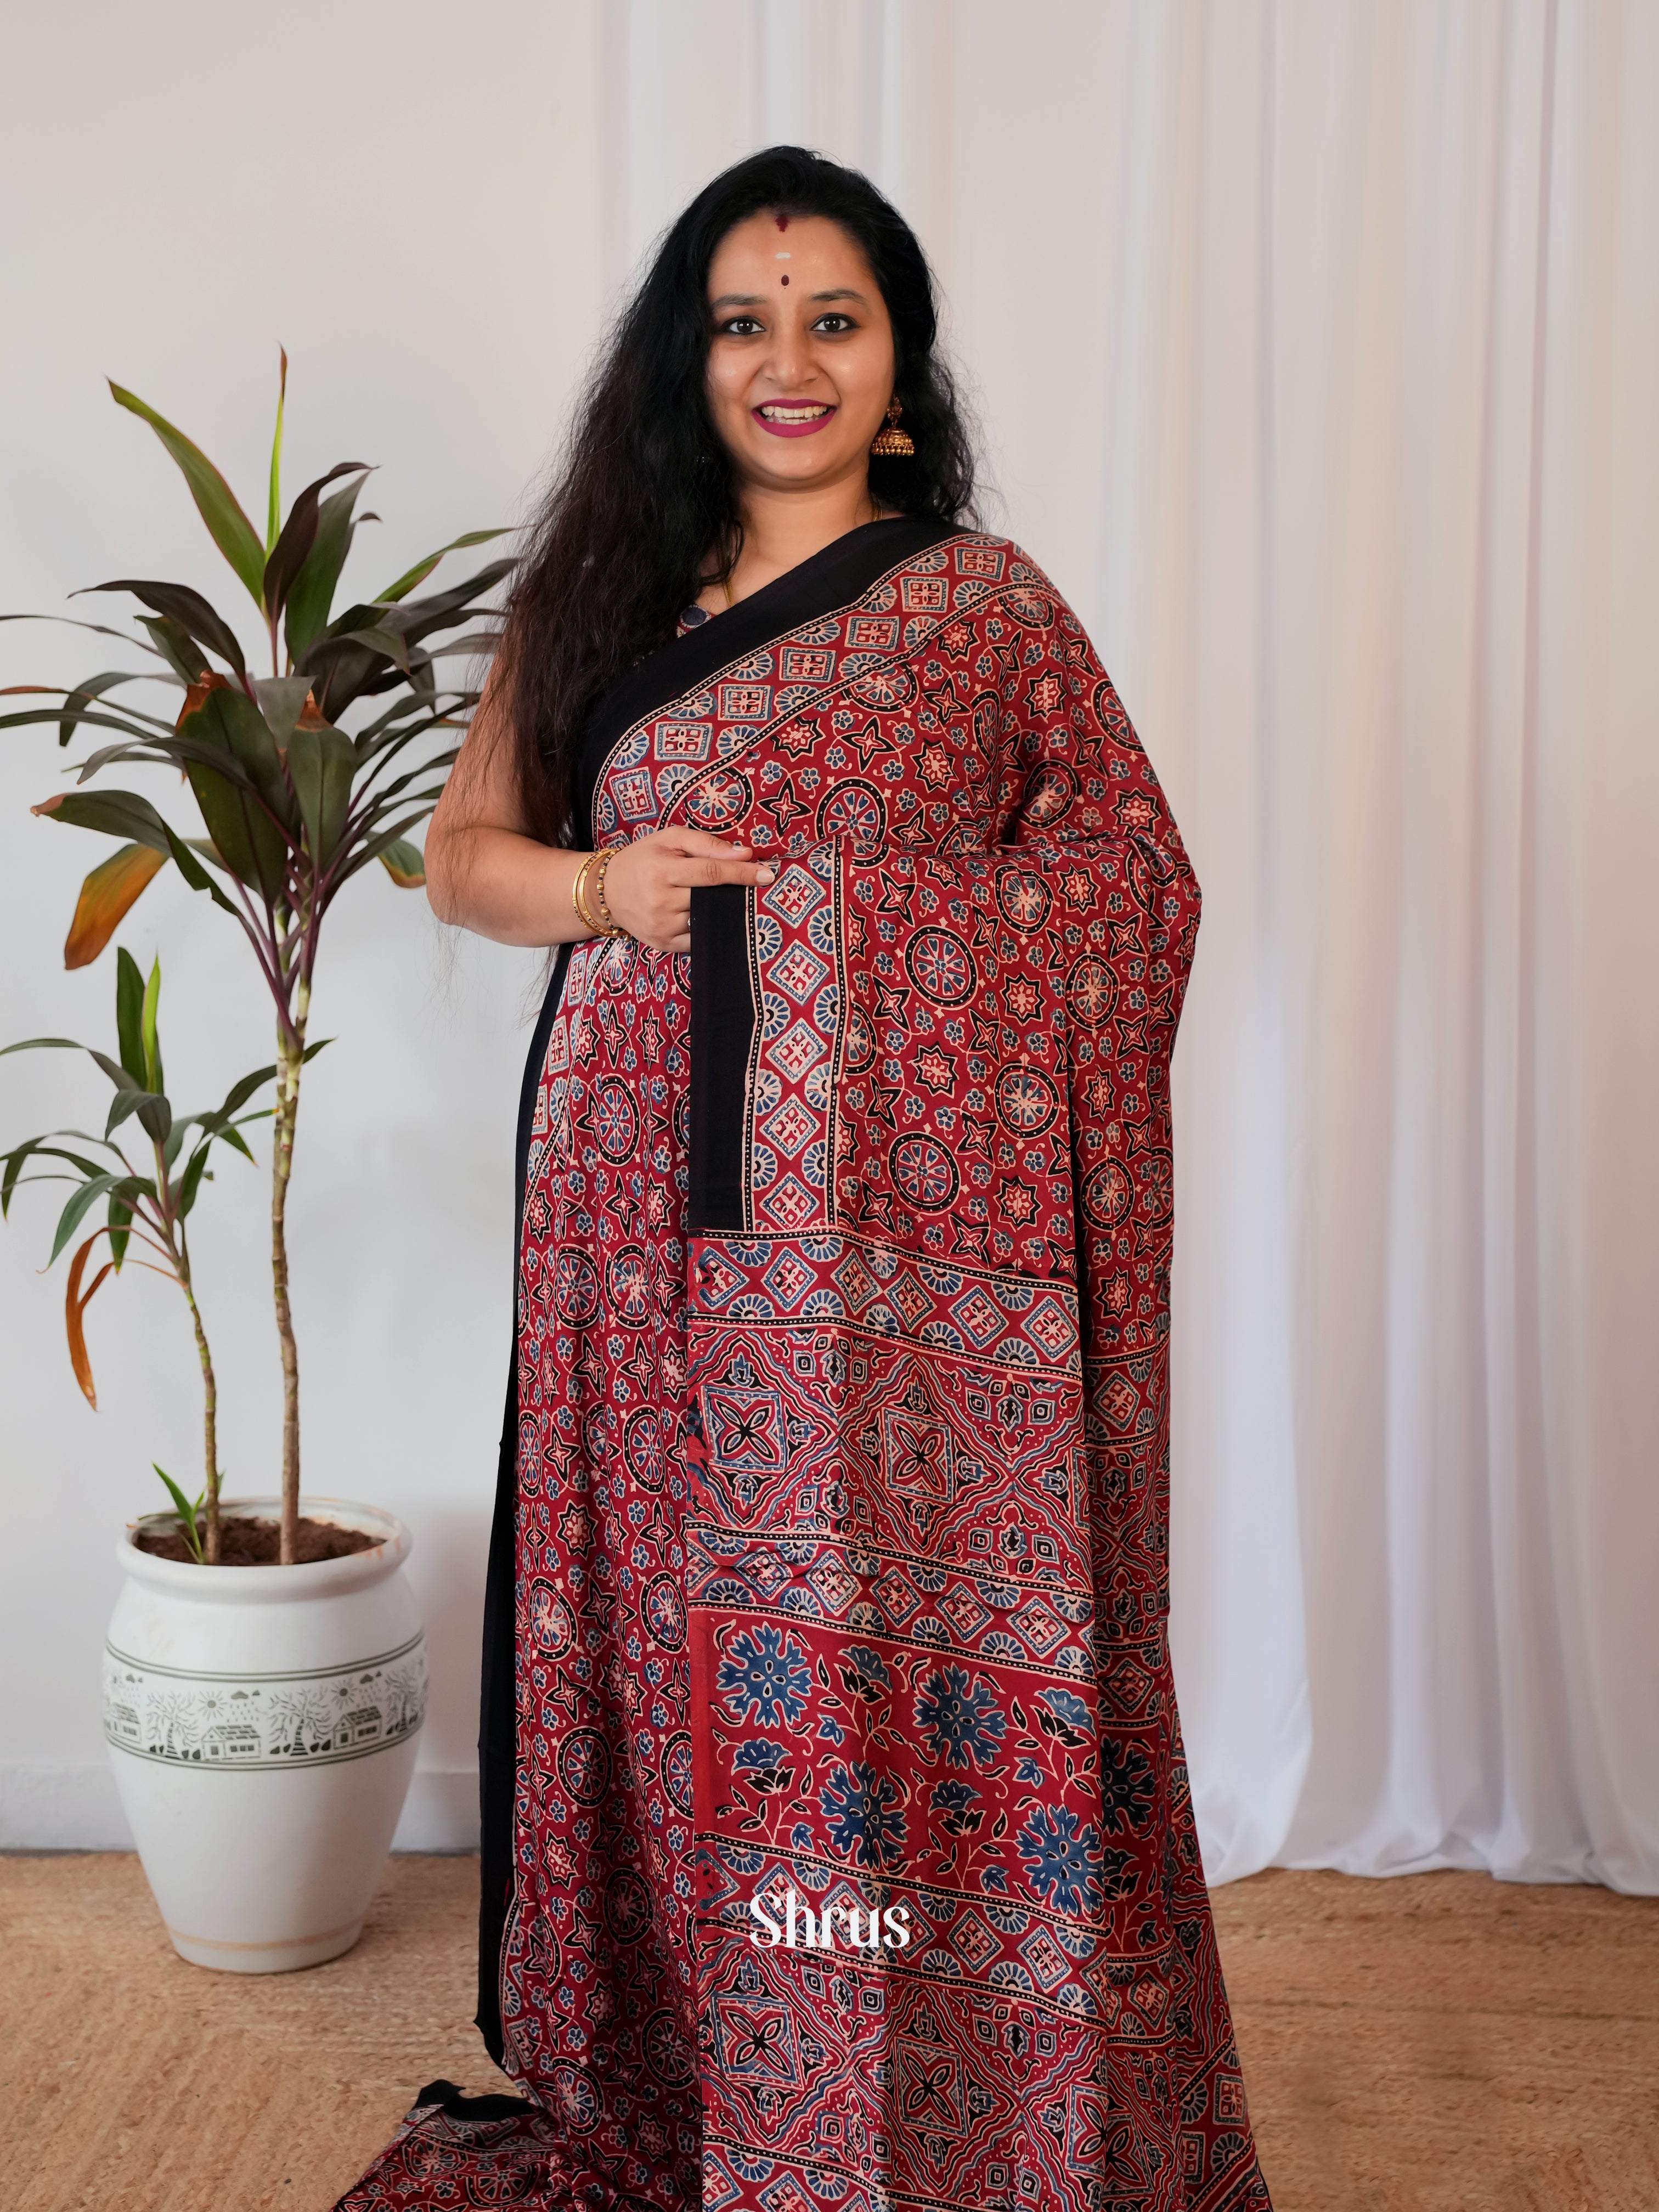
{"x": 702, "y": 845}
{"x": 703, "y": 872}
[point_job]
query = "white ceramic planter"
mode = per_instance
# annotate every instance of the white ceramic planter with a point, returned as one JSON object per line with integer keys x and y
{"x": 262, "y": 1723}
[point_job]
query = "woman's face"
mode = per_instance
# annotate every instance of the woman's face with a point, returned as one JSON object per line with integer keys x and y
{"x": 801, "y": 365}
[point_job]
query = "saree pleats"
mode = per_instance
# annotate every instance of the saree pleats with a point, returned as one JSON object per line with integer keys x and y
{"x": 851, "y": 1858}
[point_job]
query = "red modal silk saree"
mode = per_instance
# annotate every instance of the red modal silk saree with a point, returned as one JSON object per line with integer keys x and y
{"x": 838, "y": 1850}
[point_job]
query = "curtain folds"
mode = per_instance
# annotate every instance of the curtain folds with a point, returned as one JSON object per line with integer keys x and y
{"x": 1316, "y": 347}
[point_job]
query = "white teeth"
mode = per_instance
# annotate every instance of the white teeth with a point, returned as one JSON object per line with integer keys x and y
{"x": 774, "y": 414}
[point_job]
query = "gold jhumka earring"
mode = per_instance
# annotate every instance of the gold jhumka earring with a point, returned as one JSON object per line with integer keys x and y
{"x": 892, "y": 439}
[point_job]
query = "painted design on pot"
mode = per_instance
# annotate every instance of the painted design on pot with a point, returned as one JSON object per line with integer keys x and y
{"x": 190, "y": 1717}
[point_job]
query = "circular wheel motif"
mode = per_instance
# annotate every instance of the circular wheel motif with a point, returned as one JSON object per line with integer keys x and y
{"x": 854, "y": 809}
{"x": 860, "y": 1045}
{"x": 1155, "y": 1173}
{"x": 627, "y": 1905}
{"x": 985, "y": 718}
{"x": 575, "y": 1286}
{"x": 884, "y": 687}
{"x": 665, "y": 2053}
{"x": 643, "y": 1448}
{"x": 1026, "y": 1100}
{"x": 665, "y": 1611}
{"x": 585, "y": 1765}
{"x": 551, "y": 1621}
{"x": 1107, "y": 1194}
{"x": 718, "y": 798}
{"x": 628, "y": 1280}
{"x": 940, "y": 966}
{"x": 676, "y": 1772}
{"x": 615, "y": 1121}
{"x": 1049, "y": 794}
{"x": 1146, "y": 873}
{"x": 577, "y": 2098}
{"x": 1091, "y": 992}
{"x": 1025, "y": 900}
{"x": 1030, "y": 608}
{"x": 923, "y": 1172}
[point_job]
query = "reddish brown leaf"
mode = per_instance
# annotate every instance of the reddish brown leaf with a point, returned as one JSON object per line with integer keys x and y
{"x": 105, "y": 896}
{"x": 210, "y": 680}
{"x": 74, "y": 1307}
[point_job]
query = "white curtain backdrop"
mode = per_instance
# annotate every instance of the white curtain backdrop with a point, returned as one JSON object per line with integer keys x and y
{"x": 1317, "y": 346}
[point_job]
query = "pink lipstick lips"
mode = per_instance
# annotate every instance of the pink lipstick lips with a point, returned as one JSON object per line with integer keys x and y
{"x": 793, "y": 418}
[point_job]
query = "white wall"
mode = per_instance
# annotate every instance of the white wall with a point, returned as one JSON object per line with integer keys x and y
{"x": 1315, "y": 343}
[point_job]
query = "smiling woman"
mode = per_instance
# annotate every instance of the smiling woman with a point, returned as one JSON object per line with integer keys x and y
{"x": 831, "y": 1531}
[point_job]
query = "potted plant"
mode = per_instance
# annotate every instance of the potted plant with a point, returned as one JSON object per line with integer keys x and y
{"x": 264, "y": 1677}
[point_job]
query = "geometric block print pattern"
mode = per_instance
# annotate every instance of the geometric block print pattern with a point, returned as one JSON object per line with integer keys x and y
{"x": 843, "y": 1538}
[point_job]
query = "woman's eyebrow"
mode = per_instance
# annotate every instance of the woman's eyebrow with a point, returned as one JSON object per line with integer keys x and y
{"x": 738, "y": 300}
{"x": 842, "y": 292}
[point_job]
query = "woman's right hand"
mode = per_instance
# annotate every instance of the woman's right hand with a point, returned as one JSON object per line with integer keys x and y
{"x": 648, "y": 886}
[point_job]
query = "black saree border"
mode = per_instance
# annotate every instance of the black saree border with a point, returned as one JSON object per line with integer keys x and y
{"x": 498, "y": 1687}
{"x": 837, "y": 577}
{"x": 724, "y": 999}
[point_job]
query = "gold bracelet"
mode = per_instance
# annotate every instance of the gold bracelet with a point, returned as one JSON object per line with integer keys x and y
{"x": 579, "y": 902}
{"x": 604, "y": 925}
{"x": 608, "y": 922}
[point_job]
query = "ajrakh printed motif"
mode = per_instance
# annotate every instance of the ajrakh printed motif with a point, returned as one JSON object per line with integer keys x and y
{"x": 843, "y": 1526}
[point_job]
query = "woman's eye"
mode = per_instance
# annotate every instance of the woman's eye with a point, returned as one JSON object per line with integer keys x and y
{"x": 833, "y": 325}
{"x": 739, "y": 326}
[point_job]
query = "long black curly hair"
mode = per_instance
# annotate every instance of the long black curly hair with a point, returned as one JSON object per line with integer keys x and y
{"x": 643, "y": 491}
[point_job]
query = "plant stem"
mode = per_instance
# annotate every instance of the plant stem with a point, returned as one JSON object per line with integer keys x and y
{"x": 177, "y": 1247}
{"x": 209, "y": 1406}
{"x": 290, "y": 1057}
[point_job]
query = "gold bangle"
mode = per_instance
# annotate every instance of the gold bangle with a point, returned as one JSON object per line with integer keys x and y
{"x": 608, "y": 924}
{"x": 580, "y": 903}
{"x": 603, "y": 925}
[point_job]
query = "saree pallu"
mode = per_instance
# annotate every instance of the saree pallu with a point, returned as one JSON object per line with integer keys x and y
{"x": 838, "y": 1848}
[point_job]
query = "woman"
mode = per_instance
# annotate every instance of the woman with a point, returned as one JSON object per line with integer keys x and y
{"x": 838, "y": 1849}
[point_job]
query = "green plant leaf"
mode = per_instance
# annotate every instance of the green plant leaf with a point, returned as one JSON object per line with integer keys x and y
{"x": 422, "y": 569}
{"x": 229, "y": 528}
{"x": 73, "y": 1214}
{"x": 152, "y": 1039}
{"x": 197, "y": 877}
{"x": 188, "y": 608}
{"x": 176, "y": 646}
{"x": 39, "y": 1148}
{"x": 187, "y": 1513}
{"x": 130, "y": 1017}
{"x": 155, "y": 1113}
{"x": 282, "y": 702}
{"x": 293, "y": 549}
{"x": 43, "y": 1044}
{"x": 255, "y": 847}
{"x": 95, "y": 687}
{"x": 377, "y": 638}
{"x": 195, "y": 1169}
{"x": 274, "y": 505}
{"x": 372, "y": 848}
{"x": 312, "y": 592}
{"x": 120, "y": 1229}
{"x": 98, "y": 629}
{"x": 115, "y": 814}
{"x": 405, "y": 863}
{"x": 322, "y": 762}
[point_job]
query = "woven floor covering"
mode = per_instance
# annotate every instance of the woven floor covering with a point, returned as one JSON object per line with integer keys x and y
{"x": 1440, "y": 2043}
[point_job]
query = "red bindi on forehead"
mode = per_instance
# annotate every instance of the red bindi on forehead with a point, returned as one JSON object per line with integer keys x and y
{"x": 782, "y": 221}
